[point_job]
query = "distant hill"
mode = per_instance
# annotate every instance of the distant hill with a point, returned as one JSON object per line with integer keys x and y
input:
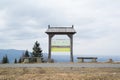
{"x": 11, "y": 53}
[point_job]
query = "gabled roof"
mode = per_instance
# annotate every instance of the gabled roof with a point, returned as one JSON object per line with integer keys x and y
{"x": 61, "y": 30}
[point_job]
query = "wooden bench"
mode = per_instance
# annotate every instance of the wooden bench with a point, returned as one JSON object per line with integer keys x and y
{"x": 81, "y": 59}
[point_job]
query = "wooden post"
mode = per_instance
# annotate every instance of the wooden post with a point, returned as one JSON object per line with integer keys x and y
{"x": 49, "y": 41}
{"x": 71, "y": 47}
{"x": 94, "y": 60}
{"x": 49, "y": 49}
{"x": 82, "y": 60}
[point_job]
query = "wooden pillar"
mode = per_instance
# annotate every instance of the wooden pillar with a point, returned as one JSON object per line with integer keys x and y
{"x": 94, "y": 60}
{"x": 82, "y": 60}
{"x": 71, "y": 47}
{"x": 71, "y": 41}
{"x": 49, "y": 47}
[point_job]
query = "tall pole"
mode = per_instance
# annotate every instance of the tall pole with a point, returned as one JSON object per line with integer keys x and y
{"x": 71, "y": 41}
{"x": 49, "y": 49}
{"x": 49, "y": 41}
{"x": 71, "y": 47}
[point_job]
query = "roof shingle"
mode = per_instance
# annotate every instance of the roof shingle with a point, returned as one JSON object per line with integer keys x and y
{"x": 61, "y": 30}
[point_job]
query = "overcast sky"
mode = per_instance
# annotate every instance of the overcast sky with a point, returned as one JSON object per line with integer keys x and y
{"x": 97, "y": 23}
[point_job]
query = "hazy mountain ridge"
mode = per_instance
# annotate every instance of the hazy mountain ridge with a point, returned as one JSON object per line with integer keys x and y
{"x": 13, "y": 53}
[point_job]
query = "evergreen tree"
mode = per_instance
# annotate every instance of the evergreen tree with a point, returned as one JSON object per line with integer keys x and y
{"x": 15, "y": 60}
{"x": 37, "y": 52}
{"x": 26, "y": 54}
{"x": 5, "y": 59}
{"x": 20, "y": 60}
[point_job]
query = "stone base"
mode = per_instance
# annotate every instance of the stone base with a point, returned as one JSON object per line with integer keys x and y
{"x": 39, "y": 60}
{"x": 26, "y": 61}
{"x": 110, "y": 61}
{"x": 50, "y": 60}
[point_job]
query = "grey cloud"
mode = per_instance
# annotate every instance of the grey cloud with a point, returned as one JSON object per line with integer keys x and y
{"x": 25, "y": 36}
{"x": 92, "y": 33}
{"x": 19, "y": 13}
{"x": 24, "y": 33}
{"x": 92, "y": 19}
{"x": 3, "y": 40}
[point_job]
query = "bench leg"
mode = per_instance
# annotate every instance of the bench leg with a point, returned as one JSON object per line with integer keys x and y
{"x": 80, "y": 60}
{"x": 94, "y": 60}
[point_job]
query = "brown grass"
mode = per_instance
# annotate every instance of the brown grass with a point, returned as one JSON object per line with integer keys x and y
{"x": 59, "y": 73}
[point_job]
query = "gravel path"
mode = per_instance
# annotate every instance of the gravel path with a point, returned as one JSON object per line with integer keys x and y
{"x": 81, "y": 65}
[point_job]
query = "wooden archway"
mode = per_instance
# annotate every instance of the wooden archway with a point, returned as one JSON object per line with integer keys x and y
{"x": 69, "y": 31}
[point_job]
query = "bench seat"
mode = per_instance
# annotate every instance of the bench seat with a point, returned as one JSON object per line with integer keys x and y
{"x": 81, "y": 59}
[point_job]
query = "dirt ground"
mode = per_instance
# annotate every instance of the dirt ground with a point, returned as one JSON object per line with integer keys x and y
{"x": 60, "y": 73}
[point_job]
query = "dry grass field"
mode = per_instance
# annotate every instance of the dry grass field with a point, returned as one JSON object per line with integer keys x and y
{"x": 59, "y": 73}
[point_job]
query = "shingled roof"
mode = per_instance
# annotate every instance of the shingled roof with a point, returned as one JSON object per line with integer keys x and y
{"x": 61, "y": 30}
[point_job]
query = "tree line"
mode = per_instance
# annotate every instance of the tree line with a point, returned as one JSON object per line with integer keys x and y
{"x": 32, "y": 57}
